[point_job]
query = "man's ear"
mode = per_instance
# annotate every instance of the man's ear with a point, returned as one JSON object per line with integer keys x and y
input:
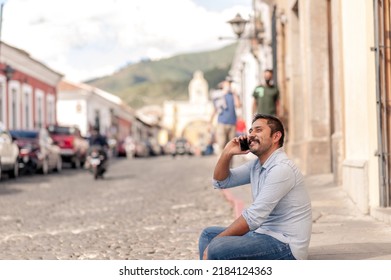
{"x": 277, "y": 136}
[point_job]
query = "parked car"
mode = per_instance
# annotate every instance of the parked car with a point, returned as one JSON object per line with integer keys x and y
{"x": 154, "y": 148}
{"x": 37, "y": 151}
{"x": 120, "y": 149}
{"x": 182, "y": 147}
{"x": 141, "y": 149}
{"x": 9, "y": 155}
{"x": 169, "y": 148}
{"x": 73, "y": 146}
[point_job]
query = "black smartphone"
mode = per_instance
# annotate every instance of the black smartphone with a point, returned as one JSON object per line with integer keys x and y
{"x": 244, "y": 144}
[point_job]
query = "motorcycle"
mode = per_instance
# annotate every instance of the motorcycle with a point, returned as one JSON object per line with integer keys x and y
{"x": 97, "y": 161}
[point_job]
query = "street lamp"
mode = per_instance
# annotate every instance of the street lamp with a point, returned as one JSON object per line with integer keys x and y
{"x": 1, "y": 23}
{"x": 238, "y": 24}
{"x": 8, "y": 71}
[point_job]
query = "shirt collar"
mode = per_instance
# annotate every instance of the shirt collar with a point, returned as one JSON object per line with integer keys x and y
{"x": 271, "y": 158}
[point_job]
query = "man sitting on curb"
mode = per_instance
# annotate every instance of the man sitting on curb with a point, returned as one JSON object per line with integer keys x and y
{"x": 278, "y": 223}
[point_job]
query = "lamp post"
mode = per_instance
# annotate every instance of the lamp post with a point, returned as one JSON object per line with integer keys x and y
{"x": 247, "y": 70}
{"x": 8, "y": 70}
{"x": 238, "y": 24}
{"x": 1, "y": 24}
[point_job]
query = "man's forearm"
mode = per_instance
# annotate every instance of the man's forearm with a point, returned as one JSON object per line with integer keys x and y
{"x": 278, "y": 108}
{"x": 237, "y": 100}
{"x": 221, "y": 171}
{"x": 237, "y": 228}
{"x": 254, "y": 107}
{"x": 212, "y": 116}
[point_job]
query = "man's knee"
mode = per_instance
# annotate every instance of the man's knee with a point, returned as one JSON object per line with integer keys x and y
{"x": 211, "y": 232}
{"x": 204, "y": 233}
{"x": 217, "y": 247}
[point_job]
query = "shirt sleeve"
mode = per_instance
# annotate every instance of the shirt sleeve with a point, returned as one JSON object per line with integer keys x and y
{"x": 237, "y": 176}
{"x": 255, "y": 92}
{"x": 279, "y": 181}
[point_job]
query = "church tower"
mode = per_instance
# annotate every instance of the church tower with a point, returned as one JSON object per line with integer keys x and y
{"x": 198, "y": 89}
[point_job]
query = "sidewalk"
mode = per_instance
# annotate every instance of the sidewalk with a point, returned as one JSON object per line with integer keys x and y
{"x": 340, "y": 231}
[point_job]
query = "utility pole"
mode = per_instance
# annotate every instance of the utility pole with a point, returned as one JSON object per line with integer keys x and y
{"x": 1, "y": 24}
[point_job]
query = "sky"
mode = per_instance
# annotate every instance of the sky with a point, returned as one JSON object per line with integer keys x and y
{"x": 85, "y": 39}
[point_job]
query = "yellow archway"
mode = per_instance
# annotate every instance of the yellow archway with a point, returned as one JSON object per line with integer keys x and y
{"x": 198, "y": 134}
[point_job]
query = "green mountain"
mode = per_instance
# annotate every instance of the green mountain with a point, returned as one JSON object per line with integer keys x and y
{"x": 153, "y": 82}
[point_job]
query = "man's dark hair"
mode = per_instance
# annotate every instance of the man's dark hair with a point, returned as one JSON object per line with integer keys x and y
{"x": 269, "y": 70}
{"x": 274, "y": 123}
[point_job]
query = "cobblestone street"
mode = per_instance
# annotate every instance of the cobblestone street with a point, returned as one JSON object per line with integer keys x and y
{"x": 149, "y": 209}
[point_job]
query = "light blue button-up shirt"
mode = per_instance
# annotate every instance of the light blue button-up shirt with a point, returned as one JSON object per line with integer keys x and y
{"x": 281, "y": 205}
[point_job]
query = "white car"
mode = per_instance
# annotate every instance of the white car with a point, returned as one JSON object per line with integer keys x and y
{"x": 9, "y": 154}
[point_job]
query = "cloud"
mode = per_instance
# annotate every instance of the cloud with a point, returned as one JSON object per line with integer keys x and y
{"x": 88, "y": 38}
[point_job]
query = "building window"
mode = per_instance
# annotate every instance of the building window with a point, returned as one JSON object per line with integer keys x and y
{"x": 14, "y": 110}
{"x": 50, "y": 109}
{"x": 27, "y": 114}
{"x": 39, "y": 109}
{"x": 97, "y": 119}
{"x": 2, "y": 101}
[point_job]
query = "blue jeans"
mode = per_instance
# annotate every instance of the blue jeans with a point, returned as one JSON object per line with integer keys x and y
{"x": 251, "y": 246}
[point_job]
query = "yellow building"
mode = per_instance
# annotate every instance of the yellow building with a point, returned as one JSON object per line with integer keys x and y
{"x": 190, "y": 119}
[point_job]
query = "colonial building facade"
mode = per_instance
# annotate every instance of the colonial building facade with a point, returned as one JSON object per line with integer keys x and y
{"x": 27, "y": 90}
{"x": 86, "y": 107}
{"x": 328, "y": 75}
{"x": 332, "y": 64}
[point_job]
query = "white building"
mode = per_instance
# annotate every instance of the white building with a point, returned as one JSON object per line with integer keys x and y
{"x": 86, "y": 107}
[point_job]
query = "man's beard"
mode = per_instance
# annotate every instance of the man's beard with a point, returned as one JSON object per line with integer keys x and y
{"x": 261, "y": 149}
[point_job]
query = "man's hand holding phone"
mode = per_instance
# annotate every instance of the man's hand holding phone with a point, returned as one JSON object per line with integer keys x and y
{"x": 244, "y": 144}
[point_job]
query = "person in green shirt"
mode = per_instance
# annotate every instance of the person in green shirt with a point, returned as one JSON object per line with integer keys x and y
{"x": 266, "y": 96}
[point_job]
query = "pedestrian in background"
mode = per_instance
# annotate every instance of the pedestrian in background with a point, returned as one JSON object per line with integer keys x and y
{"x": 225, "y": 101}
{"x": 277, "y": 225}
{"x": 266, "y": 96}
{"x": 97, "y": 139}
